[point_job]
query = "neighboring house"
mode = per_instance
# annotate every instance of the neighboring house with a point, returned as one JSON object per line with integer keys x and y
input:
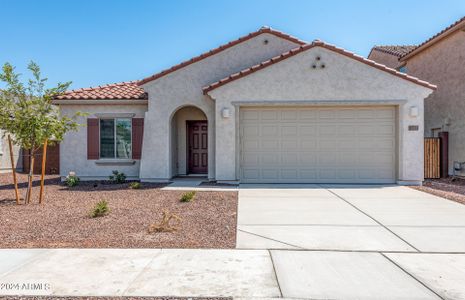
{"x": 5, "y": 160}
{"x": 389, "y": 55}
{"x": 267, "y": 107}
{"x": 441, "y": 60}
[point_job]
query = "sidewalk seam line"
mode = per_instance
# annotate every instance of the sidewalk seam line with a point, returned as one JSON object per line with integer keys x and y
{"x": 411, "y": 275}
{"x": 27, "y": 262}
{"x": 275, "y": 273}
{"x": 271, "y": 239}
{"x": 381, "y": 224}
{"x": 141, "y": 271}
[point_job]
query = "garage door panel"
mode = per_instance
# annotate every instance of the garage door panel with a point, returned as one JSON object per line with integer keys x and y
{"x": 289, "y": 145}
{"x": 269, "y": 145}
{"x": 269, "y": 130}
{"x": 250, "y": 115}
{"x": 289, "y": 115}
{"x": 270, "y": 159}
{"x": 289, "y": 130}
{"x": 309, "y": 174}
{"x": 270, "y": 115}
{"x": 308, "y": 130}
{"x": 306, "y": 144}
{"x": 289, "y": 174}
{"x": 251, "y": 145}
{"x": 308, "y": 115}
{"x": 270, "y": 174}
{"x": 327, "y": 145}
{"x": 328, "y": 159}
{"x": 251, "y": 159}
{"x": 290, "y": 159}
{"x": 308, "y": 160}
{"x": 328, "y": 130}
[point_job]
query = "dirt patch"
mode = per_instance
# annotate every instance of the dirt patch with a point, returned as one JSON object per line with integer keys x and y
{"x": 63, "y": 220}
{"x": 451, "y": 188}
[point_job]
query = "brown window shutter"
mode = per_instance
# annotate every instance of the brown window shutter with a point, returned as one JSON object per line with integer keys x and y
{"x": 93, "y": 139}
{"x": 137, "y": 136}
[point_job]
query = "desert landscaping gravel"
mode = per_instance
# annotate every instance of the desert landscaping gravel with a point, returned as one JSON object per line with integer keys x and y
{"x": 452, "y": 188}
{"x": 63, "y": 221}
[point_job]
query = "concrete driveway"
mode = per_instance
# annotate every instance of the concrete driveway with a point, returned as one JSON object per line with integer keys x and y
{"x": 356, "y": 242}
{"x": 352, "y": 218}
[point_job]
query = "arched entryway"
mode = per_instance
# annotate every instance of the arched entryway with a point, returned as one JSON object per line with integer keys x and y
{"x": 189, "y": 142}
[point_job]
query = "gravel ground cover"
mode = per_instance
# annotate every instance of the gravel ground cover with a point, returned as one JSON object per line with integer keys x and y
{"x": 63, "y": 221}
{"x": 451, "y": 188}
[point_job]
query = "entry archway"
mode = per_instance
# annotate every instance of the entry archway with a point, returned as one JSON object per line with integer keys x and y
{"x": 189, "y": 142}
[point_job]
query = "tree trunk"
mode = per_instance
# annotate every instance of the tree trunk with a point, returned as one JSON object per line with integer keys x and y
{"x": 31, "y": 172}
{"x": 44, "y": 160}
{"x": 13, "y": 169}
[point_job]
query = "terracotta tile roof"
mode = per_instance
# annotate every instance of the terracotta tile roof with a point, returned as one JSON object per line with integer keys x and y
{"x": 262, "y": 30}
{"x": 396, "y": 50}
{"x": 115, "y": 91}
{"x": 443, "y": 33}
{"x": 316, "y": 43}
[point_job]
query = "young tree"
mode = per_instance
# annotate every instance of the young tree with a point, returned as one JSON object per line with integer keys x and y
{"x": 27, "y": 113}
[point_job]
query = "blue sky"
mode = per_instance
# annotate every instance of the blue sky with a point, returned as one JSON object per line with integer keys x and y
{"x": 104, "y": 41}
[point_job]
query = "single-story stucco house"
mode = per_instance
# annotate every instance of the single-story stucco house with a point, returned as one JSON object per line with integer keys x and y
{"x": 266, "y": 108}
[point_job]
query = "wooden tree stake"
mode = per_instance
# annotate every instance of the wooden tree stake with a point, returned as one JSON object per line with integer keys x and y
{"x": 31, "y": 172}
{"x": 13, "y": 169}
{"x": 44, "y": 159}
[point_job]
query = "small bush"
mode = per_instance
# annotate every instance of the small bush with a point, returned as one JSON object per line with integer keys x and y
{"x": 135, "y": 185}
{"x": 188, "y": 197}
{"x": 100, "y": 209}
{"x": 118, "y": 177}
{"x": 72, "y": 180}
{"x": 165, "y": 224}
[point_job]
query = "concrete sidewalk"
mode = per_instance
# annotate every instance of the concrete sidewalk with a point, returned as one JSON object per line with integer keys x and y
{"x": 232, "y": 273}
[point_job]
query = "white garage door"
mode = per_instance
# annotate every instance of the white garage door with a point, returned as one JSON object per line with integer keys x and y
{"x": 318, "y": 144}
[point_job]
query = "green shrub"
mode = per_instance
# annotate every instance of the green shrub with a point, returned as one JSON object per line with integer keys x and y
{"x": 72, "y": 180}
{"x": 188, "y": 197}
{"x": 135, "y": 185}
{"x": 117, "y": 177}
{"x": 100, "y": 209}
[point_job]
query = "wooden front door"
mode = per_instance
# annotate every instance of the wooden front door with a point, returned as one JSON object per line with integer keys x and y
{"x": 197, "y": 147}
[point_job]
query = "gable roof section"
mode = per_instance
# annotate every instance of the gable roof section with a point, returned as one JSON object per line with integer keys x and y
{"x": 458, "y": 25}
{"x": 316, "y": 43}
{"x": 116, "y": 91}
{"x": 221, "y": 48}
{"x": 396, "y": 50}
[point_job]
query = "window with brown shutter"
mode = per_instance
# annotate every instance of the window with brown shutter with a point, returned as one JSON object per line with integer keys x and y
{"x": 137, "y": 136}
{"x": 93, "y": 140}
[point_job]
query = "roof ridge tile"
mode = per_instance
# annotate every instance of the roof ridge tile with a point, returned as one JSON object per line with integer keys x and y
{"x": 315, "y": 43}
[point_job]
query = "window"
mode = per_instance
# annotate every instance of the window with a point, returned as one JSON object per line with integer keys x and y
{"x": 115, "y": 138}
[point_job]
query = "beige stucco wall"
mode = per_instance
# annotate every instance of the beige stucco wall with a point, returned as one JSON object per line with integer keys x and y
{"x": 179, "y": 131}
{"x": 5, "y": 162}
{"x": 184, "y": 88}
{"x": 342, "y": 80}
{"x": 384, "y": 58}
{"x": 444, "y": 65}
{"x": 73, "y": 149}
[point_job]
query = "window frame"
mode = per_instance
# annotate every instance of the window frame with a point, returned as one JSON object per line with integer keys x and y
{"x": 114, "y": 138}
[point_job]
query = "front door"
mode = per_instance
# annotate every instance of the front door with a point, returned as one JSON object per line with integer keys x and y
{"x": 197, "y": 147}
